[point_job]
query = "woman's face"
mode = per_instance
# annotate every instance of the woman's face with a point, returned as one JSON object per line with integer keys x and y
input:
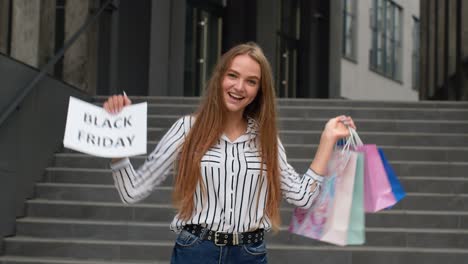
{"x": 241, "y": 83}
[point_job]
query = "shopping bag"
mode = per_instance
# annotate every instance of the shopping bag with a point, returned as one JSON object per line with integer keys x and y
{"x": 378, "y": 193}
{"x": 356, "y": 230}
{"x": 310, "y": 222}
{"x": 328, "y": 219}
{"x": 337, "y": 225}
{"x": 397, "y": 189}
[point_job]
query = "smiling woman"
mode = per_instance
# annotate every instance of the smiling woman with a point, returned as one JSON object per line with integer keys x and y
{"x": 231, "y": 167}
{"x": 241, "y": 84}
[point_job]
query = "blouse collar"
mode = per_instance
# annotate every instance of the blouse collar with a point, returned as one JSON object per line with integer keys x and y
{"x": 250, "y": 133}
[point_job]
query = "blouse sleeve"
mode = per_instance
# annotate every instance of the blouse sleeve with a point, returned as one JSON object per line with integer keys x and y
{"x": 297, "y": 189}
{"x": 135, "y": 185}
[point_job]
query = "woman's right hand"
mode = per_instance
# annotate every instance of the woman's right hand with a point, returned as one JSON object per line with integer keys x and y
{"x": 115, "y": 103}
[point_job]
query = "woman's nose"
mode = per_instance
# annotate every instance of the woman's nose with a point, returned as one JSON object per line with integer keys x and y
{"x": 239, "y": 85}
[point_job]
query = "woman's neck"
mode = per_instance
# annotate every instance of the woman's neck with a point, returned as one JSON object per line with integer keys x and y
{"x": 235, "y": 125}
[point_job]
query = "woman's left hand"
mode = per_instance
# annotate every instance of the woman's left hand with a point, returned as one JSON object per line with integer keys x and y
{"x": 337, "y": 128}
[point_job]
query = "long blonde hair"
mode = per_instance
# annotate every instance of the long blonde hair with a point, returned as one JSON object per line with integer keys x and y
{"x": 212, "y": 114}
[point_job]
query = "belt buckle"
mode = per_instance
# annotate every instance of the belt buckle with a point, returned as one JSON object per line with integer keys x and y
{"x": 235, "y": 238}
{"x": 216, "y": 239}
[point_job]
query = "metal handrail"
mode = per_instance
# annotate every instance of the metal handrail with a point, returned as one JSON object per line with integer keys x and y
{"x": 24, "y": 91}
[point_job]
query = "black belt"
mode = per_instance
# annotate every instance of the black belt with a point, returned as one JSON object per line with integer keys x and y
{"x": 226, "y": 239}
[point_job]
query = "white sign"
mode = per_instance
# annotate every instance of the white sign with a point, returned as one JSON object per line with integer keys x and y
{"x": 92, "y": 130}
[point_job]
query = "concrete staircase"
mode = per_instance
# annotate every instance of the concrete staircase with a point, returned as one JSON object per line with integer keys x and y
{"x": 77, "y": 217}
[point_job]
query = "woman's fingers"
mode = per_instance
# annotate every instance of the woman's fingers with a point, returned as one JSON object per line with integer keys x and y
{"x": 111, "y": 104}
{"x": 127, "y": 100}
{"x": 116, "y": 103}
{"x": 120, "y": 103}
{"x": 347, "y": 121}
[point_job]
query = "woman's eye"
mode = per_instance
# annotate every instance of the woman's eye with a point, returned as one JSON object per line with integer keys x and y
{"x": 252, "y": 82}
{"x": 231, "y": 75}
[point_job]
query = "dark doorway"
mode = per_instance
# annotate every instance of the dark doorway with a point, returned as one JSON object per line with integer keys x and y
{"x": 203, "y": 38}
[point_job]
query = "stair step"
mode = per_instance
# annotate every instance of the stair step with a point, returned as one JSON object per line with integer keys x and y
{"x": 379, "y": 138}
{"x": 367, "y": 124}
{"x": 278, "y": 253}
{"x": 162, "y": 194}
{"x": 143, "y": 231}
{"x": 85, "y": 249}
{"x": 165, "y": 212}
{"x": 401, "y": 168}
{"x": 44, "y": 260}
{"x": 293, "y": 151}
{"x": 408, "y": 113}
{"x": 302, "y": 102}
{"x": 77, "y": 216}
{"x": 352, "y": 255}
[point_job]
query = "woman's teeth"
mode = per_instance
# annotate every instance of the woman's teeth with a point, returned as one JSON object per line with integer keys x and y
{"x": 236, "y": 96}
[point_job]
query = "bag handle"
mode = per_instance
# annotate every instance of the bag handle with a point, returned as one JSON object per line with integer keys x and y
{"x": 355, "y": 137}
{"x": 352, "y": 142}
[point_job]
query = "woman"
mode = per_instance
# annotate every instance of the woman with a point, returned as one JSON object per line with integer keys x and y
{"x": 231, "y": 168}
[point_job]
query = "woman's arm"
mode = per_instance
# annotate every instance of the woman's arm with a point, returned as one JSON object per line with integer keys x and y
{"x": 135, "y": 185}
{"x": 299, "y": 190}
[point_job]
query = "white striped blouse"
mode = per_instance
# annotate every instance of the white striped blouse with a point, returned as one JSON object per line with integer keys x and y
{"x": 236, "y": 188}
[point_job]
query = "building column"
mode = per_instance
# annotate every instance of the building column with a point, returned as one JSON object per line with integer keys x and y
{"x": 177, "y": 50}
{"x": 33, "y": 30}
{"x": 47, "y": 32}
{"x": 80, "y": 60}
{"x": 431, "y": 49}
{"x": 335, "y": 42}
{"x": 4, "y": 25}
{"x": 159, "y": 48}
{"x": 423, "y": 46}
{"x": 25, "y": 31}
{"x": 464, "y": 51}
{"x": 268, "y": 12}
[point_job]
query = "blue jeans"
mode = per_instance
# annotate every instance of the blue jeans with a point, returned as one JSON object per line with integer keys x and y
{"x": 191, "y": 249}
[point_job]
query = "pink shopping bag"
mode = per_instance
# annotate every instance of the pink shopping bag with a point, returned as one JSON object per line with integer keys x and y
{"x": 378, "y": 193}
{"x": 328, "y": 219}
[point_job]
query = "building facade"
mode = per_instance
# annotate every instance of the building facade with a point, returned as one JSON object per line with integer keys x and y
{"x": 380, "y": 41}
{"x": 355, "y": 49}
{"x": 444, "y": 50}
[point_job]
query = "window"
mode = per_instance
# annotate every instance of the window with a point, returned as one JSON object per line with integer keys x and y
{"x": 415, "y": 57}
{"x": 385, "y": 53}
{"x": 349, "y": 29}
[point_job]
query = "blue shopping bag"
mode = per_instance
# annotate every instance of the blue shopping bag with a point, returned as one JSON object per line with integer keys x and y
{"x": 397, "y": 189}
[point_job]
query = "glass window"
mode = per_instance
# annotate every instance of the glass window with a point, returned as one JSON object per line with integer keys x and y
{"x": 349, "y": 29}
{"x": 386, "y": 38}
